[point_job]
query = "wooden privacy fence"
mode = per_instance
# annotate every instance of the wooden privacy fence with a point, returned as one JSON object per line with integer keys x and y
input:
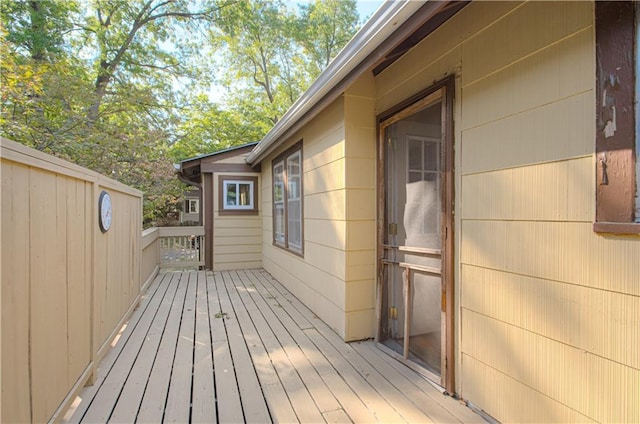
{"x": 67, "y": 287}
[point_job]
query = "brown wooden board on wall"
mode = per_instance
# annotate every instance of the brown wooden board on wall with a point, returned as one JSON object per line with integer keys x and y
{"x": 615, "y": 122}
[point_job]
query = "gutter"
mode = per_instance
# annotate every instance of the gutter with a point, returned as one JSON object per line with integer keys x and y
{"x": 384, "y": 22}
{"x": 178, "y": 170}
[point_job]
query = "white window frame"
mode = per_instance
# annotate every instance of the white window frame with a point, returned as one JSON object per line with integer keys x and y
{"x": 226, "y": 183}
{"x": 195, "y": 202}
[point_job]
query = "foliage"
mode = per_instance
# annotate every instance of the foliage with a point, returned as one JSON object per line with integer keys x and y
{"x": 123, "y": 86}
{"x": 208, "y": 128}
{"x": 324, "y": 28}
{"x": 272, "y": 54}
{"x": 101, "y": 96}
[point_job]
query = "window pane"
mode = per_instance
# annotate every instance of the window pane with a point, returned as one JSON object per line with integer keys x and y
{"x": 279, "y": 223}
{"x": 231, "y": 195}
{"x": 294, "y": 225}
{"x": 431, "y": 156}
{"x": 287, "y": 202}
{"x": 294, "y": 188}
{"x": 244, "y": 194}
{"x": 415, "y": 176}
{"x": 293, "y": 165}
{"x": 278, "y": 182}
{"x": 415, "y": 155}
{"x": 294, "y": 203}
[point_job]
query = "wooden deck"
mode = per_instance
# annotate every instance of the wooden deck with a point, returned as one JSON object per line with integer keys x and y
{"x": 238, "y": 347}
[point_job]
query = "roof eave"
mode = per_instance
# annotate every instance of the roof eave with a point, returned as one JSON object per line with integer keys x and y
{"x": 219, "y": 152}
{"x": 381, "y": 25}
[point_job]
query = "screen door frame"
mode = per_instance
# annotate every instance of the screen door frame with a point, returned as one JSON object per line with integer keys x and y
{"x": 444, "y": 92}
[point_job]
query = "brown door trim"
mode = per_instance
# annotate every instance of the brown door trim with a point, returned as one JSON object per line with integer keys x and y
{"x": 447, "y": 89}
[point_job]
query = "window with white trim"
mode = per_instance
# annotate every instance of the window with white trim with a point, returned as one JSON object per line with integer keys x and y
{"x": 287, "y": 200}
{"x": 192, "y": 206}
{"x": 238, "y": 194}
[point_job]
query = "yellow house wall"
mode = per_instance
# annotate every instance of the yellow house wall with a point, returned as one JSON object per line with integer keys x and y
{"x": 546, "y": 310}
{"x": 360, "y": 184}
{"x": 237, "y": 239}
{"x": 319, "y": 278}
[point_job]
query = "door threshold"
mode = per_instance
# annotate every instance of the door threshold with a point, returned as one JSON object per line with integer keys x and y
{"x": 431, "y": 377}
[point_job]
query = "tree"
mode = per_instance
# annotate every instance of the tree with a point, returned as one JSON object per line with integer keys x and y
{"x": 324, "y": 28}
{"x": 272, "y": 54}
{"x": 96, "y": 86}
{"x": 119, "y": 86}
{"x": 208, "y": 128}
{"x": 38, "y": 26}
{"x": 255, "y": 36}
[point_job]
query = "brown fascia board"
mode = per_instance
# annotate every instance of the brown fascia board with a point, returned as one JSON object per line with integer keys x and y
{"x": 191, "y": 169}
{"x": 220, "y": 154}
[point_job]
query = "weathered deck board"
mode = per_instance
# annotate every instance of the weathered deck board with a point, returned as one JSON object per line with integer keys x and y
{"x": 255, "y": 410}
{"x": 111, "y": 386}
{"x": 153, "y": 402}
{"x": 177, "y": 409}
{"x": 131, "y": 395}
{"x": 275, "y": 395}
{"x": 223, "y": 361}
{"x": 236, "y": 346}
{"x": 203, "y": 409}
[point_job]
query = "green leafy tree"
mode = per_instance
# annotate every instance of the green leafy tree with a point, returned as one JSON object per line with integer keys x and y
{"x": 271, "y": 54}
{"x": 96, "y": 85}
{"x": 208, "y": 128}
{"x": 120, "y": 86}
{"x": 324, "y": 28}
{"x": 256, "y": 38}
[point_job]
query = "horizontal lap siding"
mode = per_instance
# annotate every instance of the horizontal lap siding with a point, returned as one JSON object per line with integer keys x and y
{"x": 318, "y": 278}
{"x": 527, "y": 197}
{"x": 361, "y": 202}
{"x": 237, "y": 239}
{"x": 547, "y": 326}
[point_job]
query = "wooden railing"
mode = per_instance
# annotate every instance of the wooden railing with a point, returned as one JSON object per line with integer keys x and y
{"x": 150, "y": 255}
{"x": 181, "y": 247}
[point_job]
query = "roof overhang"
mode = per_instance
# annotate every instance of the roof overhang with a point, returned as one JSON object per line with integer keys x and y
{"x": 392, "y": 30}
{"x": 189, "y": 170}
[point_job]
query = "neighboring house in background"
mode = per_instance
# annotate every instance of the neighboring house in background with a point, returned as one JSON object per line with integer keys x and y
{"x": 191, "y": 212}
{"x": 460, "y": 183}
{"x": 228, "y": 206}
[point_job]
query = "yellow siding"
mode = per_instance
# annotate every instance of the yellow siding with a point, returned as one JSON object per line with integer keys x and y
{"x": 554, "y": 309}
{"x": 360, "y": 179}
{"x": 336, "y": 277}
{"x": 553, "y": 191}
{"x": 237, "y": 239}
{"x": 318, "y": 279}
{"x": 547, "y": 325}
{"x": 560, "y": 129}
{"x": 235, "y": 159}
